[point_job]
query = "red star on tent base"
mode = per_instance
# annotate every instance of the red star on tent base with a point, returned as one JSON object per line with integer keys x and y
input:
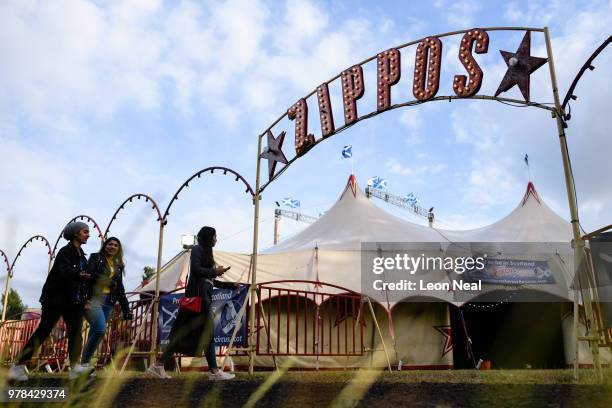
{"x": 520, "y": 66}
{"x": 448, "y": 338}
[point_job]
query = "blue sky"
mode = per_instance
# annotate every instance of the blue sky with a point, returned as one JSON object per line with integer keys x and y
{"x": 100, "y": 100}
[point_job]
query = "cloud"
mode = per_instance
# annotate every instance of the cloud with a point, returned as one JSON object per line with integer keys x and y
{"x": 396, "y": 167}
{"x": 459, "y": 14}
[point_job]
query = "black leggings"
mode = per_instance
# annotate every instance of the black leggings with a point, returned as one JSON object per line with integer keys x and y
{"x": 73, "y": 317}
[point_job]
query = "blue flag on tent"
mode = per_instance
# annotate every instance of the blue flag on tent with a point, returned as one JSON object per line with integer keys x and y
{"x": 290, "y": 202}
{"x": 347, "y": 152}
{"x": 378, "y": 183}
{"x": 527, "y": 159}
{"x": 410, "y": 199}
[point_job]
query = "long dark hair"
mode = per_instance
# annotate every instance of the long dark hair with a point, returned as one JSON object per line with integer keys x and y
{"x": 205, "y": 240}
{"x": 118, "y": 258}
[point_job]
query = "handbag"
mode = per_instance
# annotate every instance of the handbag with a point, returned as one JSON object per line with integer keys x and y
{"x": 191, "y": 304}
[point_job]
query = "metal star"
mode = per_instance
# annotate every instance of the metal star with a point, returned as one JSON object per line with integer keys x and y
{"x": 274, "y": 152}
{"x": 520, "y": 66}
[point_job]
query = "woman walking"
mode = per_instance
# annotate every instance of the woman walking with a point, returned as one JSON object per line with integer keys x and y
{"x": 106, "y": 269}
{"x": 62, "y": 296}
{"x": 193, "y": 333}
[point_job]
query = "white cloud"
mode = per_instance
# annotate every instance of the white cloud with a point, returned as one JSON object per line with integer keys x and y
{"x": 396, "y": 167}
{"x": 459, "y": 14}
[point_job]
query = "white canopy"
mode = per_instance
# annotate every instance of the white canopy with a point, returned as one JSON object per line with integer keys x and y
{"x": 329, "y": 250}
{"x": 354, "y": 219}
{"x": 531, "y": 221}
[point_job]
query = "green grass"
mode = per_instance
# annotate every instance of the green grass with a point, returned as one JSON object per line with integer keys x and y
{"x": 585, "y": 376}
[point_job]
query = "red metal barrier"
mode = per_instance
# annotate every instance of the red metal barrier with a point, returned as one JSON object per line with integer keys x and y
{"x": 121, "y": 334}
{"x": 293, "y": 322}
{"x": 290, "y": 322}
{"x": 13, "y": 336}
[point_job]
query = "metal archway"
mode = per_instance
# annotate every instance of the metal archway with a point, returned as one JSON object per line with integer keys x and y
{"x": 128, "y": 200}
{"x": 8, "y": 278}
{"x": 198, "y": 174}
{"x": 11, "y": 268}
{"x": 77, "y": 218}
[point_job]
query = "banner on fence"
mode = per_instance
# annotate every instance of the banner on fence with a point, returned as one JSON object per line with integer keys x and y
{"x": 226, "y": 305}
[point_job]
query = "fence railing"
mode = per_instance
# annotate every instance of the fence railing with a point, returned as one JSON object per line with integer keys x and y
{"x": 294, "y": 322}
{"x": 289, "y": 322}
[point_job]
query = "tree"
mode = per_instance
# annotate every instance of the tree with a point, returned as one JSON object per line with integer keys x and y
{"x": 14, "y": 306}
{"x": 148, "y": 272}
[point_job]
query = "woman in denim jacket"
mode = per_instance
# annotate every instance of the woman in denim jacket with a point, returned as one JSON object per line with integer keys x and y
{"x": 106, "y": 269}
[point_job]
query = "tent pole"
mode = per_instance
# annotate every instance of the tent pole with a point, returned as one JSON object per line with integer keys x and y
{"x": 154, "y": 322}
{"x": 576, "y": 348}
{"x": 256, "y": 199}
{"x": 382, "y": 340}
{"x": 592, "y": 335}
{"x": 237, "y": 327}
{"x": 277, "y": 220}
{"x": 467, "y": 337}
{"x": 6, "y": 294}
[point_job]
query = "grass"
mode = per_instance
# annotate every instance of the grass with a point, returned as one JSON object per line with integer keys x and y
{"x": 341, "y": 388}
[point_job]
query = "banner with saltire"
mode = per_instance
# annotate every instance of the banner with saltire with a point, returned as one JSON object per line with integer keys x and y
{"x": 226, "y": 304}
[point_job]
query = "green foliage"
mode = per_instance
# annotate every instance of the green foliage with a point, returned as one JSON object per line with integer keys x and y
{"x": 14, "y": 306}
{"x": 148, "y": 272}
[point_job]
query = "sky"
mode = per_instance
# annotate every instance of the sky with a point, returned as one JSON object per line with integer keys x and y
{"x": 101, "y": 100}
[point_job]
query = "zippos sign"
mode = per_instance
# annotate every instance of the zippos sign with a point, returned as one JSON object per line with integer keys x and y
{"x": 427, "y": 70}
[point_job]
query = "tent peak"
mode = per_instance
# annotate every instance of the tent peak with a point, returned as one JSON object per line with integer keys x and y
{"x": 531, "y": 191}
{"x": 352, "y": 183}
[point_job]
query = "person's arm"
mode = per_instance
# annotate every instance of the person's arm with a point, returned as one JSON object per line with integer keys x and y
{"x": 195, "y": 265}
{"x": 64, "y": 266}
{"x": 225, "y": 285}
{"x": 125, "y": 306}
{"x": 92, "y": 264}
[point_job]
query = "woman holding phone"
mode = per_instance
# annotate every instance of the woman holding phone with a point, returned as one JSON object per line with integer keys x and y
{"x": 192, "y": 333}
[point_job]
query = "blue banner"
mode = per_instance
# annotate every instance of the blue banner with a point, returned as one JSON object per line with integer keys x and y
{"x": 168, "y": 310}
{"x": 226, "y": 304}
{"x": 510, "y": 271}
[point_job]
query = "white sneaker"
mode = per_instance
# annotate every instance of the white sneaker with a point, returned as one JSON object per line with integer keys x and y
{"x": 78, "y": 370}
{"x": 158, "y": 371}
{"x": 18, "y": 372}
{"x": 221, "y": 376}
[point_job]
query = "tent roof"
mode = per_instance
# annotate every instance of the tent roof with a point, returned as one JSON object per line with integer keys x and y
{"x": 531, "y": 221}
{"x": 354, "y": 219}
{"x": 329, "y": 249}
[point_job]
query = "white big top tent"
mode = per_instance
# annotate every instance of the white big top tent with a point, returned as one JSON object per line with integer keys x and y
{"x": 417, "y": 334}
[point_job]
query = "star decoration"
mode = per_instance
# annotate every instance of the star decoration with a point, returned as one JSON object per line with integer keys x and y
{"x": 448, "y": 338}
{"x": 520, "y": 66}
{"x": 274, "y": 152}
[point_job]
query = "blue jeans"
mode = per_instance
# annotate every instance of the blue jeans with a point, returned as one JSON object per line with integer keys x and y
{"x": 211, "y": 357}
{"x": 97, "y": 317}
